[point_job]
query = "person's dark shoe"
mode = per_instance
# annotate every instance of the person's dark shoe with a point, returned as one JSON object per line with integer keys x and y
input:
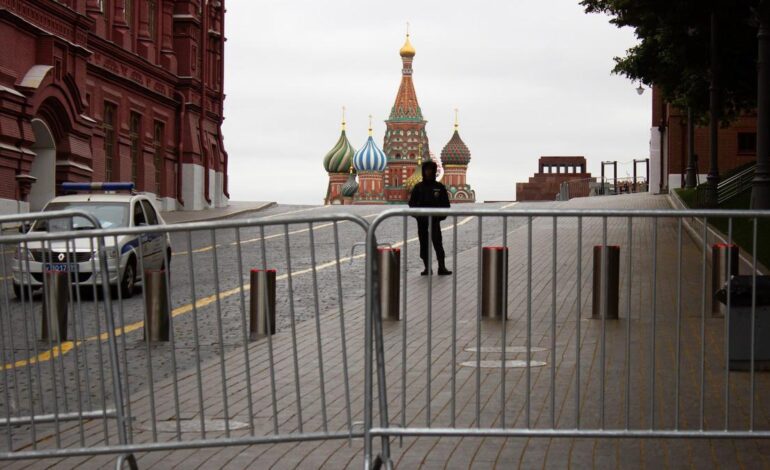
{"x": 426, "y": 271}
{"x": 444, "y": 272}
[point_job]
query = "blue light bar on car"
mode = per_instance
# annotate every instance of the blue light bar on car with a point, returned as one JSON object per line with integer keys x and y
{"x": 97, "y": 186}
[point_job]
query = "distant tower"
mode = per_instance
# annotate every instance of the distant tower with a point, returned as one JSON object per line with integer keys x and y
{"x": 456, "y": 158}
{"x": 405, "y": 132}
{"x": 337, "y": 162}
{"x": 370, "y": 163}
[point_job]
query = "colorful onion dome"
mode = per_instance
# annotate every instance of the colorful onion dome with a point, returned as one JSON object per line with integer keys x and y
{"x": 340, "y": 157}
{"x": 407, "y": 50}
{"x": 455, "y": 152}
{"x": 370, "y": 157}
{"x": 350, "y": 187}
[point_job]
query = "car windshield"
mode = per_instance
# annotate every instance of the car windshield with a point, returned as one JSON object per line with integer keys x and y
{"x": 109, "y": 214}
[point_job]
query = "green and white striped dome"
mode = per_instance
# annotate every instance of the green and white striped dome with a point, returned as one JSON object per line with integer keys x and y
{"x": 340, "y": 157}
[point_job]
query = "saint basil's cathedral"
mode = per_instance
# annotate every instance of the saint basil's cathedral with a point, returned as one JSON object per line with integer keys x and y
{"x": 387, "y": 175}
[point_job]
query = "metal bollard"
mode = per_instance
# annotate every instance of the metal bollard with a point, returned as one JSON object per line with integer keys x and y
{"x": 389, "y": 260}
{"x": 56, "y": 290}
{"x": 261, "y": 303}
{"x": 156, "y": 306}
{"x": 722, "y": 255}
{"x": 494, "y": 267}
{"x": 612, "y": 265}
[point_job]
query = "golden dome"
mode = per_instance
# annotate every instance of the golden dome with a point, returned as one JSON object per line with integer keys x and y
{"x": 416, "y": 176}
{"x": 407, "y": 50}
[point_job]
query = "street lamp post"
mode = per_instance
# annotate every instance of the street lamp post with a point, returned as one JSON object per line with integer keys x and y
{"x": 690, "y": 178}
{"x": 760, "y": 191}
{"x": 710, "y": 197}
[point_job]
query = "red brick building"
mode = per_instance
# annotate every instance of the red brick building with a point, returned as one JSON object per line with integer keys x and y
{"x": 112, "y": 90}
{"x": 737, "y": 145}
{"x": 552, "y": 171}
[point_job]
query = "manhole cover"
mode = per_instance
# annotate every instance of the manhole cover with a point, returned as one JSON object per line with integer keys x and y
{"x": 193, "y": 425}
{"x": 508, "y": 349}
{"x": 492, "y": 364}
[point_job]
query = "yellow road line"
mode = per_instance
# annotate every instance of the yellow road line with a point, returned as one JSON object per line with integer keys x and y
{"x": 67, "y": 346}
{"x": 510, "y": 205}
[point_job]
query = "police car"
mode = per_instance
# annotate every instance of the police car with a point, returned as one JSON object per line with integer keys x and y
{"x": 124, "y": 258}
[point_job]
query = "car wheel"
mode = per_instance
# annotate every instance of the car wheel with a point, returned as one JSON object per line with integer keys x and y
{"x": 128, "y": 282}
{"x": 19, "y": 292}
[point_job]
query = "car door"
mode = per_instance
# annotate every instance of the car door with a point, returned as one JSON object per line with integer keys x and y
{"x": 143, "y": 249}
{"x": 154, "y": 241}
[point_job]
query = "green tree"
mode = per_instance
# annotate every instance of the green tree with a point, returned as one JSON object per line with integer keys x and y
{"x": 673, "y": 52}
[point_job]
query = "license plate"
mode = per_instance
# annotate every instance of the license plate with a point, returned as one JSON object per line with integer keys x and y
{"x": 58, "y": 267}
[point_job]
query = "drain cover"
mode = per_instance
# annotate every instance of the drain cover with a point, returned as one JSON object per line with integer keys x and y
{"x": 508, "y": 349}
{"x": 193, "y": 425}
{"x": 492, "y": 364}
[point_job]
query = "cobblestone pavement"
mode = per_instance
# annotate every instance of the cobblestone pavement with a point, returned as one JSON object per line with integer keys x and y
{"x": 213, "y": 329}
{"x": 408, "y": 404}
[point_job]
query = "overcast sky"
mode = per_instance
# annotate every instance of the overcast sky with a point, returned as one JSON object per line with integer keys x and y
{"x": 530, "y": 77}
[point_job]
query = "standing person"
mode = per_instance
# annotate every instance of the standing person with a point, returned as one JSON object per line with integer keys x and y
{"x": 430, "y": 193}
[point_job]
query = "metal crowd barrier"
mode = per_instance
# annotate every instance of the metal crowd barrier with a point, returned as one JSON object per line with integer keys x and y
{"x": 186, "y": 371}
{"x": 542, "y": 367}
{"x": 550, "y": 368}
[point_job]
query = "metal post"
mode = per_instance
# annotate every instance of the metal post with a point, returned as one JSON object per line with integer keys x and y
{"x": 261, "y": 303}
{"x": 760, "y": 191}
{"x": 156, "y": 306}
{"x": 389, "y": 260}
{"x": 494, "y": 266}
{"x": 615, "y": 175}
{"x": 690, "y": 178}
{"x": 602, "y": 187}
{"x": 710, "y": 195}
{"x": 606, "y": 293}
{"x": 647, "y": 173}
{"x": 56, "y": 290}
{"x": 634, "y": 182}
{"x": 722, "y": 256}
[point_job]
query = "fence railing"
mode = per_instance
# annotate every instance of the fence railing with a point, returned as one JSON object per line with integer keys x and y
{"x": 210, "y": 381}
{"x": 530, "y": 373}
{"x": 736, "y": 184}
{"x": 501, "y": 347}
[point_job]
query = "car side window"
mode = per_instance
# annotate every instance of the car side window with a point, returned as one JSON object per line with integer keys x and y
{"x": 139, "y": 218}
{"x": 152, "y": 217}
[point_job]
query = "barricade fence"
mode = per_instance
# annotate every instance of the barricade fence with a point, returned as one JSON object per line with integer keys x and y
{"x": 176, "y": 354}
{"x": 608, "y": 328}
{"x": 117, "y": 341}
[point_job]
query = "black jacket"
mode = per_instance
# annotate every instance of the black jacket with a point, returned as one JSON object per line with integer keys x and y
{"x": 429, "y": 194}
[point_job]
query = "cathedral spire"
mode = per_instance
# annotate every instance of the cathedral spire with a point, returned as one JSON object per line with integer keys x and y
{"x": 406, "y": 107}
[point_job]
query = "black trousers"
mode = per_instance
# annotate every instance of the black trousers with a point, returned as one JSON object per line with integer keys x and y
{"x": 435, "y": 236}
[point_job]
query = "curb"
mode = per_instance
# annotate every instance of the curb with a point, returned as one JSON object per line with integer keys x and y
{"x": 229, "y": 214}
{"x": 746, "y": 259}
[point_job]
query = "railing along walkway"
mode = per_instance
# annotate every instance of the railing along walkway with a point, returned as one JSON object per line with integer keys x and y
{"x": 511, "y": 452}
